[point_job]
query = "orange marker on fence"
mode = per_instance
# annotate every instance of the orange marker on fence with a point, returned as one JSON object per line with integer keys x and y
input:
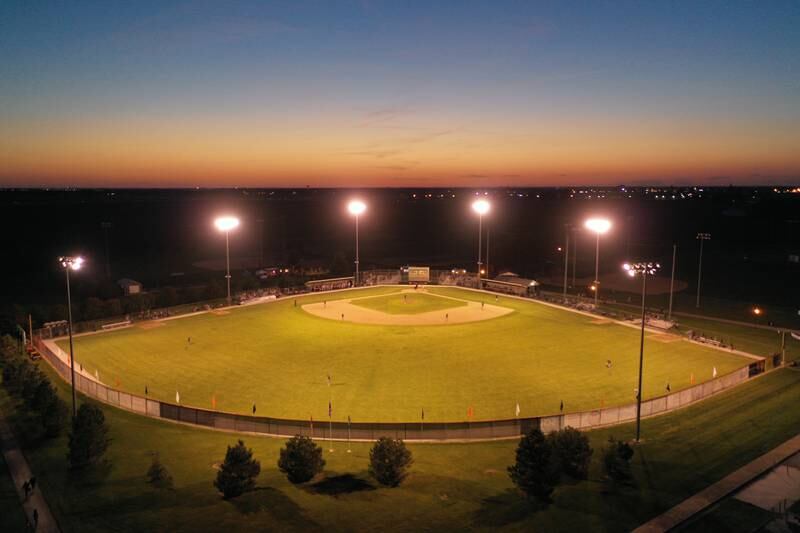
{"x": 691, "y": 379}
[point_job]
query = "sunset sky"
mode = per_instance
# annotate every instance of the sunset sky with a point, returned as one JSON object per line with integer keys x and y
{"x": 373, "y": 93}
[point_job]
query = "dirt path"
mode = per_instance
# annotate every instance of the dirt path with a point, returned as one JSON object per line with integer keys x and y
{"x": 20, "y": 472}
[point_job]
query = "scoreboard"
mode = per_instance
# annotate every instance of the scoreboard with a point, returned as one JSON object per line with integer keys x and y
{"x": 417, "y": 274}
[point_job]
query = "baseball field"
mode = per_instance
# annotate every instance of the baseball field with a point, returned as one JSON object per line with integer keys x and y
{"x": 388, "y": 353}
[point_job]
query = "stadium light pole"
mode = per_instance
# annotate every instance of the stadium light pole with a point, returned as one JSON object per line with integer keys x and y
{"x": 226, "y": 224}
{"x": 599, "y": 226}
{"x": 672, "y": 280}
{"x": 700, "y": 237}
{"x": 566, "y": 263}
{"x": 644, "y": 269}
{"x": 71, "y": 263}
{"x": 356, "y": 208}
{"x": 481, "y": 207}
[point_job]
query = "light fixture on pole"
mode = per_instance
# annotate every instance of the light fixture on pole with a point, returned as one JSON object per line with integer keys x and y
{"x": 71, "y": 263}
{"x": 599, "y": 226}
{"x": 226, "y": 224}
{"x": 644, "y": 269}
{"x": 700, "y": 237}
{"x": 481, "y": 207}
{"x": 356, "y": 208}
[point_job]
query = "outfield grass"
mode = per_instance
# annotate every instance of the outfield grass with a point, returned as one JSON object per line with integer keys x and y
{"x": 278, "y": 356}
{"x": 408, "y": 303}
{"x": 451, "y": 487}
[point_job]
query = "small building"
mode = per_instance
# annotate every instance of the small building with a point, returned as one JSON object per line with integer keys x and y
{"x": 130, "y": 286}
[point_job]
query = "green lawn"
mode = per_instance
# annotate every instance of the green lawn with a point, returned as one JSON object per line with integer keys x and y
{"x": 408, "y": 303}
{"x": 278, "y": 356}
{"x": 451, "y": 487}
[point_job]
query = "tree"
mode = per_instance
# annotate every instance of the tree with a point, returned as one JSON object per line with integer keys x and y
{"x": 88, "y": 440}
{"x": 536, "y": 470}
{"x": 31, "y": 378}
{"x": 158, "y": 475}
{"x": 167, "y": 297}
{"x": 616, "y": 460}
{"x": 93, "y": 308}
{"x": 573, "y": 451}
{"x": 113, "y": 307}
{"x": 301, "y": 459}
{"x": 388, "y": 461}
{"x": 238, "y": 473}
{"x": 54, "y": 416}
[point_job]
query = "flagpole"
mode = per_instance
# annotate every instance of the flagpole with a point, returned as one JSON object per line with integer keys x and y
{"x": 330, "y": 428}
{"x": 348, "y": 433}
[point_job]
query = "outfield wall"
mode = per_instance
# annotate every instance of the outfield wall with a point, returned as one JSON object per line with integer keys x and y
{"x": 411, "y": 431}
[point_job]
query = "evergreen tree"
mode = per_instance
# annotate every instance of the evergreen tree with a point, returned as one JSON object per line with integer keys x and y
{"x": 88, "y": 440}
{"x": 238, "y": 473}
{"x": 388, "y": 461}
{"x": 573, "y": 451}
{"x": 301, "y": 459}
{"x": 536, "y": 470}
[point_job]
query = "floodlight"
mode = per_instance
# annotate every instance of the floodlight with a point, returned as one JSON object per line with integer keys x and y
{"x": 481, "y": 207}
{"x": 356, "y": 207}
{"x": 73, "y": 263}
{"x": 226, "y": 223}
{"x": 598, "y": 225}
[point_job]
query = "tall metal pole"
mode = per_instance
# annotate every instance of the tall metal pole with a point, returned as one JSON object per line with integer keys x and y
{"x": 783, "y": 348}
{"x": 701, "y": 237}
{"x": 672, "y": 280}
{"x": 699, "y": 273}
{"x": 566, "y": 265}
{"x": 574, "y": 257}
{"x": 488, "y": 228}
{"x": 641, "y": 361}
{"x": 228, "y": 265}
{"x": 260, "y": 242}
{"x": 357, "y": 273}
{"x": 106, "y": 226}
{"x": 71, "y": 356}
{"x": 596, "y": 270}
{"x": 480, "y": 232}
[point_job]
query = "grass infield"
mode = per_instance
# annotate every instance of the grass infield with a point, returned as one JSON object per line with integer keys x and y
{"x": 278, "y": 357}
{"x": 408, "y": 303}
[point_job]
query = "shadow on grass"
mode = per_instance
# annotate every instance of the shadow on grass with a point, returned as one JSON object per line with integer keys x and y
{"x": 505, "y": 509}
{"x": 91, "y": 475}
{"x": 340, "y": 485}
{"x": 275, "y": 502}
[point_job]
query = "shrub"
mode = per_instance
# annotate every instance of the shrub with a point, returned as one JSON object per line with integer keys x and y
{"x": 238, "y": 473}
{"x": 388, "y": 461}
{"x": 536, "y": 470}
{"x": 573, "y": 451}
{"x": 616, "y": 460}
{"x": 88, "y": 440}
{"x": 158, "y": 475}
{"x": 301, "y": 459}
